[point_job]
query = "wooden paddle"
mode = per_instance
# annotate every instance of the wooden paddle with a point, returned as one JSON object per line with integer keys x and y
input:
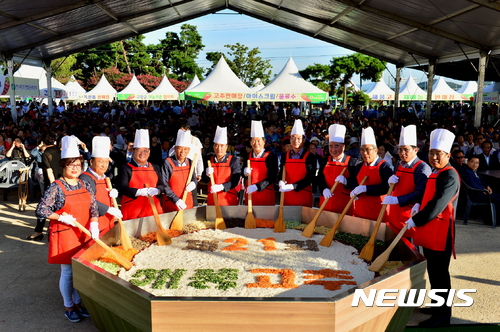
{"x": 279, "y": 225}
{"x": 367, "y": 252}
{"x": 162, "y": 237}
{"x": 119, "y": 257}
{"x": 124, "y": 237}
{"x": 219, "y": 221}
{"x": 379, "y": 262}
{"x": 328, "y": 238}
{"x": 250, "y": 219}
{"x": 309, "y": 230}
{"x": 178, "y": 221}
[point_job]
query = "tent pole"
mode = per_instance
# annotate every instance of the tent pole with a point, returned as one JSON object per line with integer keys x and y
{"x": 10, "y": 69}
{"x": 480, "y": 88}
{"x": 48, "y": 69}
{"x": 396, "y": 92}
{"x": 430, "y": 78}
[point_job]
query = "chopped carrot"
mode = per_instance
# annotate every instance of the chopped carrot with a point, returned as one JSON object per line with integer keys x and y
{"x": 128, "y": 254}
{"x": 263, "y": 223}
{"x": 151, "y": 237}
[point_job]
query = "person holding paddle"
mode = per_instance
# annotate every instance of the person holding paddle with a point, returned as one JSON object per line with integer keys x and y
{"x": 226, "y": 170}
{"x": 331, "y": 171}
{"x": 411, "y": 178}
{"x": 372, "y": 193}
{"x": 66, "y": 199}
{"x": 300, "y": 170}
{"x": 175, "y": 172}
{"x": 96, "y": 177}
{"x": 132, "y": 177}
{"x": 434, "y": 223}
{"x": 263, "y": 168}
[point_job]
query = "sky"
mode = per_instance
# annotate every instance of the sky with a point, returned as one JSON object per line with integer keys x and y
{"x": 275, "y": 43}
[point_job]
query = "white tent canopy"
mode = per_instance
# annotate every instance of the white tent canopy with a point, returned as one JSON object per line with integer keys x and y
{"x": 38, "y": 73}
{"x": 290, "y": 86}
{"x": 257, "y": 85}
{"x": 102, "y": 91}
{"x": 222, "y": 84}
{"x": 442, "y": 91}
{"x": 380, "y": 91}
{"x": 193, "y": 83}
{"x": 133, "y": 91}
{"x": 492, "y": 87}
{"x": 469, "y": 88}
{"x": 411, "y": 91}
{"x": 75, "y": 92}
{"x": 164, "y": 91}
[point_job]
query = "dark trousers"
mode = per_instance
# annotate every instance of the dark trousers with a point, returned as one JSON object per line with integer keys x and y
{"x": 438, "y": 263}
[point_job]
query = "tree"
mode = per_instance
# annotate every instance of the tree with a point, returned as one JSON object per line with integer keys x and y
{"x": 62, "y": 68}
{"x": 245, "y": 63}
{"x": 345, "y": 67}
{"x": 94, "y": 60}
{"x": 320, "y": 76}
{"x": 137, "y": 57}
{"x": 180, "y": 51}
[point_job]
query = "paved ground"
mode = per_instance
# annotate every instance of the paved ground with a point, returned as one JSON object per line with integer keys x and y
{"x": 30, "y": 298}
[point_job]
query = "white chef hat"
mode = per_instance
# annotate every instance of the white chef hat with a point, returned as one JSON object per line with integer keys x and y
{"x": 100, "y": 147}
{"x": 183, "y": 138}
{"x": 220, "y": 135}
{"x": 141, "y": 138}
{"x": 442, "y": 139}
{"x": 69, "y": 147}
{"x": 408, "y": 135}
{"x": 256, "y": 130}
{"x": 297, "y": 129}
{"x": 336, "y": 133}
{"x": 368, "y": 136}
{"x": 78, "y": 142}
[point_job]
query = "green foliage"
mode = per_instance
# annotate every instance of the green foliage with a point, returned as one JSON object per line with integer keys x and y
{"x": 245, "y": 63}
{"x": 358, "y": 98}
{"x": 320, "y": 76}
{"x": 62, "y": 68}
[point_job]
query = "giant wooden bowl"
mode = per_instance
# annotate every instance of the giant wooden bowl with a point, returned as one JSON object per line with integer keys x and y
{"x": 117, "y": 305}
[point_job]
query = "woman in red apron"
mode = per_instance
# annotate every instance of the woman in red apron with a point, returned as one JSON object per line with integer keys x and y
{"x": 68, "y": 199}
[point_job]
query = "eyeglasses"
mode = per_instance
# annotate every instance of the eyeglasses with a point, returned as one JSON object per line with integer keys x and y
{"x": 366, "y": 150}
{"x": 74, "y": 166}
{"x": 406, "y": 150}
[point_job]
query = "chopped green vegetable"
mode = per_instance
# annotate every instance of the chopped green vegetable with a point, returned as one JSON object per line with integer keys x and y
{"x": 112, "y": 268}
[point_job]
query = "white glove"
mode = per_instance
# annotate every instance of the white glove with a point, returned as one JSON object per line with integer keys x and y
{"x": 153, "y": 191}
{"x": 358, "y": 190}
{"x": 209, "y": 170}
{"x": 142, "y": 192}
{"x": 94, "y": 229}
{"x": 180, "y": 204}
{"x": 286, "y": 187}
{"x": 115, "y": 212}
{"x": 252, "y": 188}
{"x": 191, "y": 186}
{"x": 67, "y": 219}
{"x": 410, "y": 223}
{"x": 341, "y": 179}
{"x": 415, "y": 208}
{"x": 393, "y": 179}
{"x": 327, "y": 193}
{"x": 390, "y": 200}
{"x": 216, "y": 188}
{"x": 113, "y": 193}
{"x": 247, "y": 171}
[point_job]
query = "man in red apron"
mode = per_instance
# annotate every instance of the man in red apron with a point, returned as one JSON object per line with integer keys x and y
{"x": 330, "y": 172}
{"x": 175, "y": 174}
{"x": 372, "y": 193}
{"x": 263, "y": 168}
{"x": 434, "y": 223}
{"x": 226, "y": 170}
{"x": 96, "y": 177}
{"x": 138, "y": 179}
{"x": 300, "y": 167}
{"x": 410, "y": 181}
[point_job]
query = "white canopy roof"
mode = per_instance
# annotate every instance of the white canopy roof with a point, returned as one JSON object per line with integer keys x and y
{"x": 380, "y": 91}
{"x": 102, "y": 91}
{"x": 193, "y": 83}
{"x": 133, "y": 91}
{"x": 75, "y": 91}
{"x": 469, "y": 88}
{"x": 290, "y": 86}
{"x": 492, "y": 87}
{"x": 38, "y": 73}
{"x": 164, "y": 91}
{"x": 442, "y": 91}
{"x": 411, "y": 91}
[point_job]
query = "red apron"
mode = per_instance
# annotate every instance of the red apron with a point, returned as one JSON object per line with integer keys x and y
{"x": 341, "y": 195}
{"x": 222, "y": 174}
{"x": 365, "y": 206}
{"x": 397, "y": 215}
{"x": 296, "y": 170}
{"x": 107, "y": 221}
{"x": 65, "y": 241}
{"x": 259, "y": 173}
{"x": 177, "y": 183}
{"x": 138, "y": 207}
{"x": 433, "y": 235}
